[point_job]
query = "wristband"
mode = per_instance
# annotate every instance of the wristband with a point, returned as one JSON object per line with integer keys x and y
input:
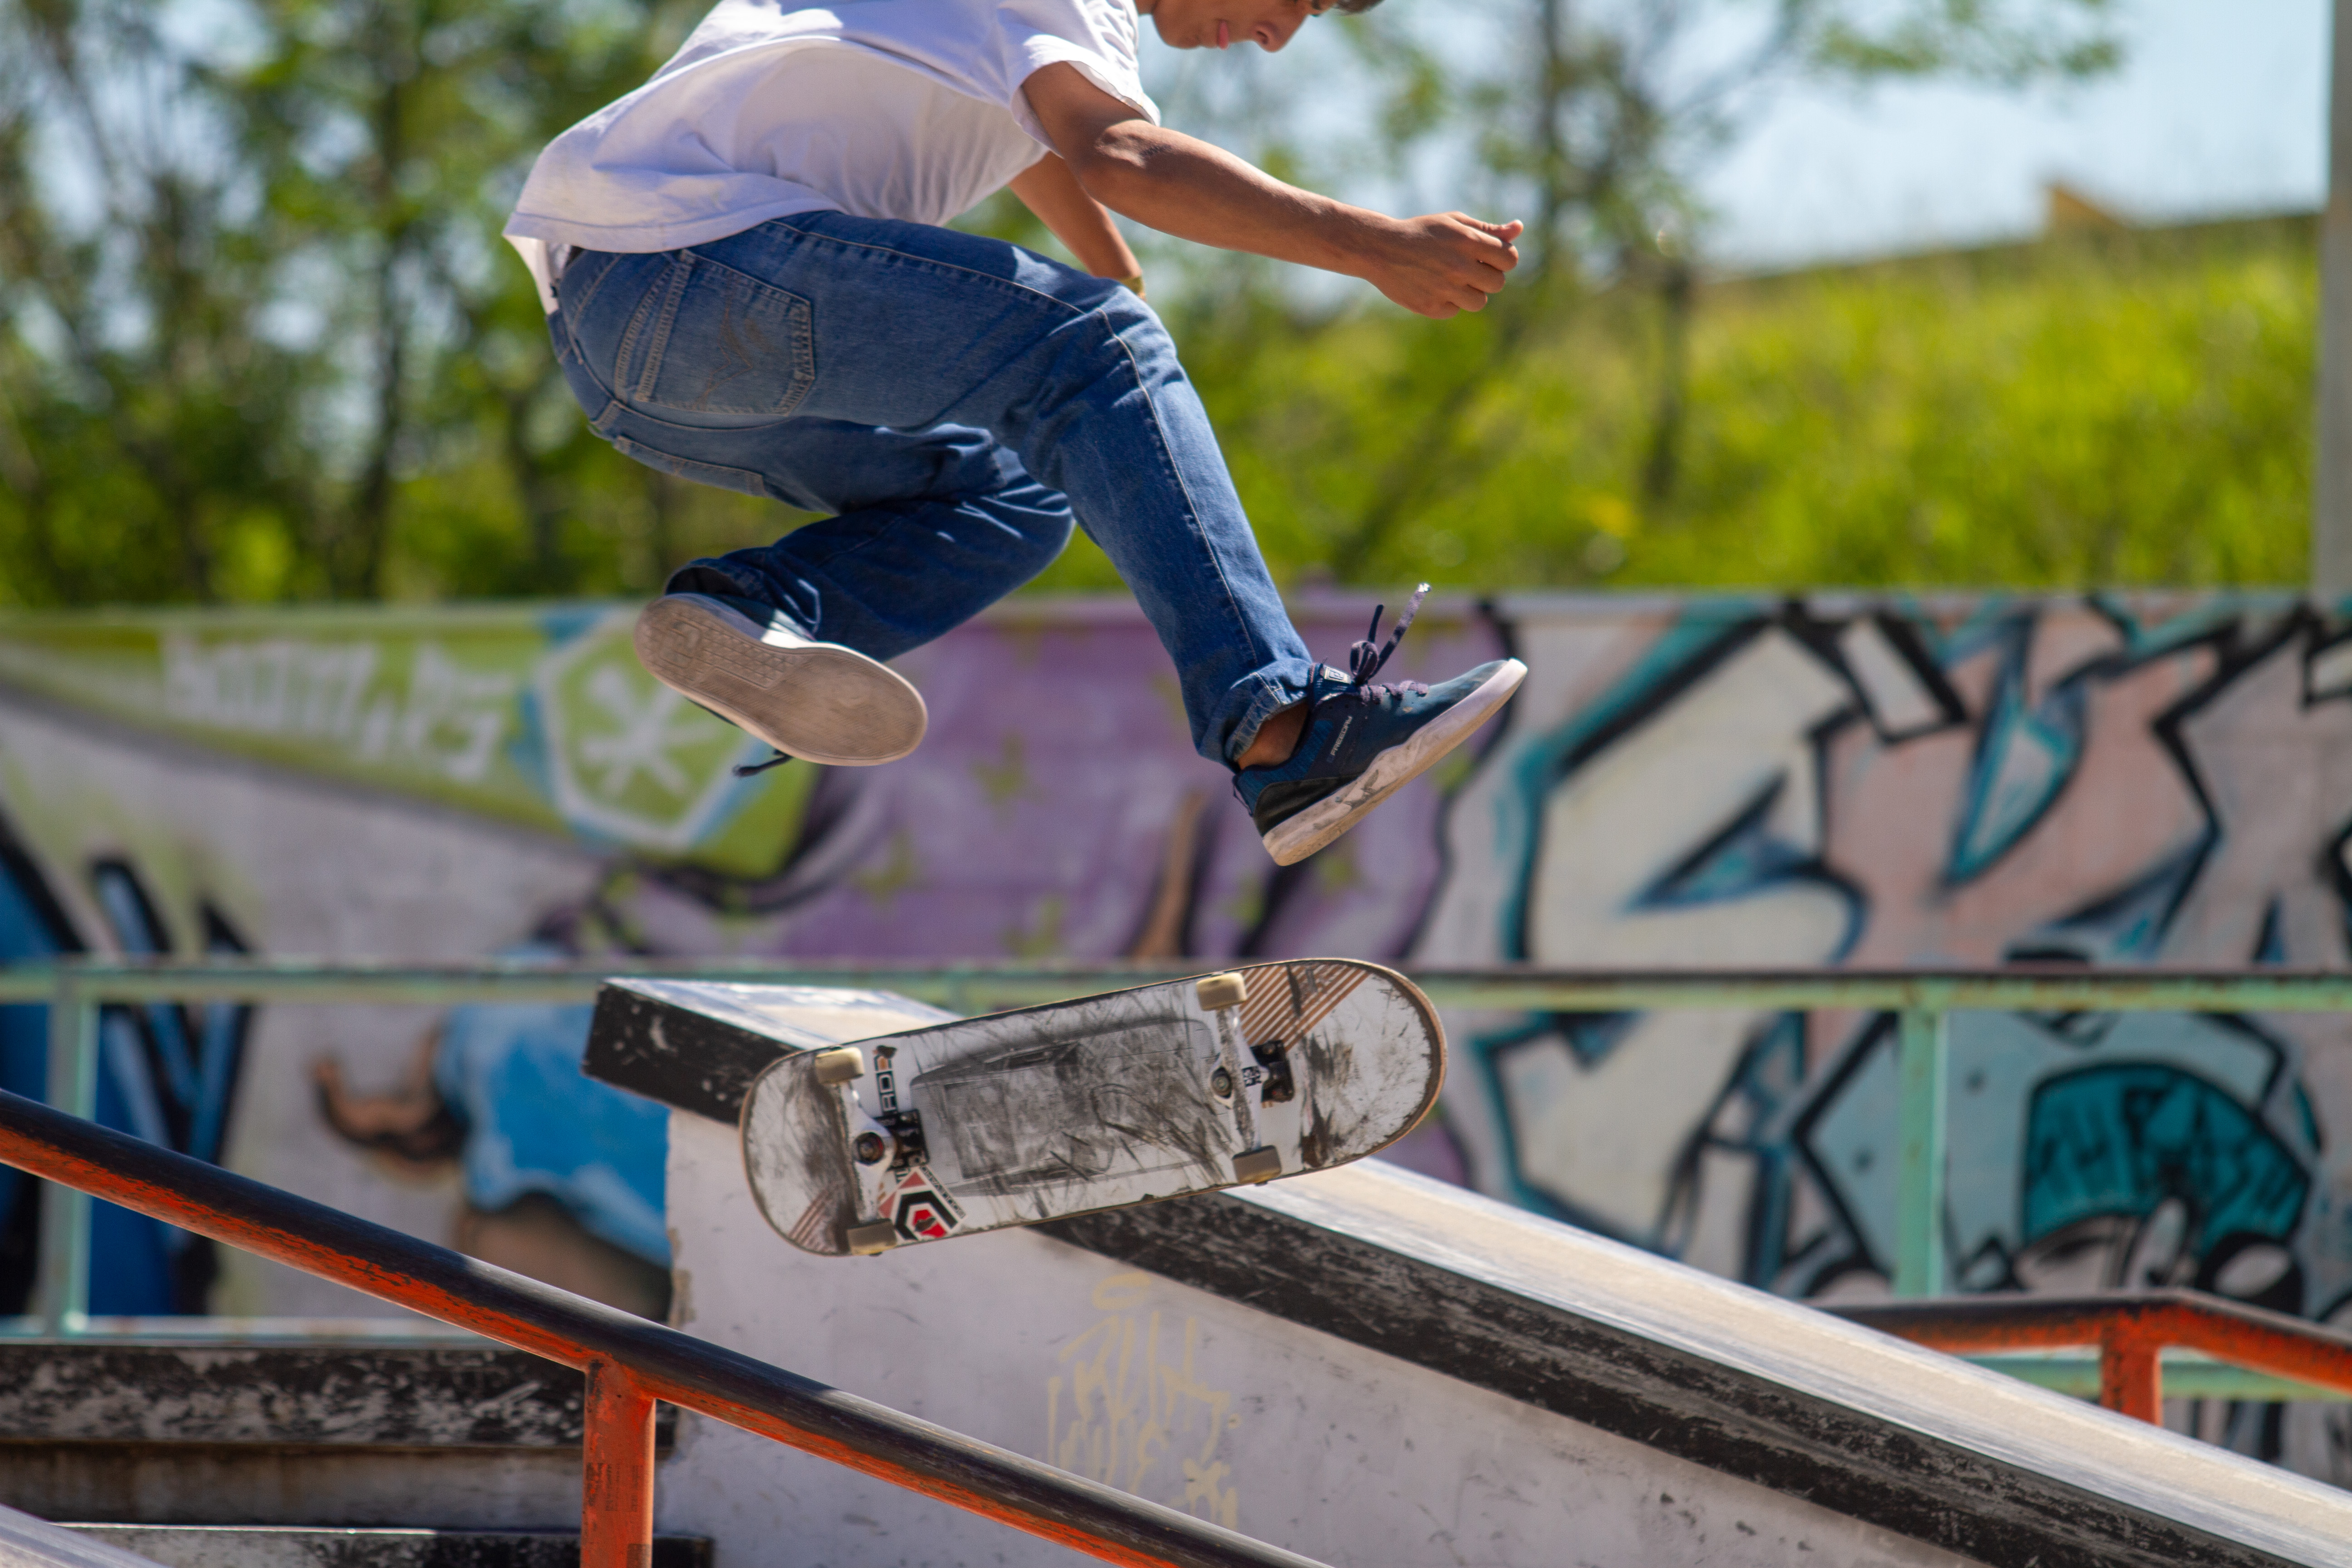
{"x": 1132, "y": 285}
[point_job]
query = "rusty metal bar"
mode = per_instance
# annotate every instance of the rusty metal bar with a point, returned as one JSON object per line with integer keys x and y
{"x": 2131, "y": 1329}
{"x": 2131, "y": 1376}
{"x": 2186, "y": 1374}
{"x": 616, "y": 1494}
{"x": 663, "y": 1363}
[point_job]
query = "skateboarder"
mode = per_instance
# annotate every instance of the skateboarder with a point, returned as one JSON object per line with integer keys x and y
{"x": 749, "y": 287}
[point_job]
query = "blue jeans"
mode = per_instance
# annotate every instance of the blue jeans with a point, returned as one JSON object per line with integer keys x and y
{"x": 952, "y": 400}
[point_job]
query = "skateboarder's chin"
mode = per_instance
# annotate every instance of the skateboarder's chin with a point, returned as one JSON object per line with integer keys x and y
{"x": 1220, "y": 24}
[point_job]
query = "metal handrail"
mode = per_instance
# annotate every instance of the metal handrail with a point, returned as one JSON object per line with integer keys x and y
{"x": 2132, "y": 1329}
{"x": 1922, "y": 1001}
{"x": 1502, "y": 987}
{"x": 629, "y": 1361}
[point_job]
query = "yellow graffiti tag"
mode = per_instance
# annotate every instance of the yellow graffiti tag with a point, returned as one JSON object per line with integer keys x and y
{"x": 1128, "y": 1409}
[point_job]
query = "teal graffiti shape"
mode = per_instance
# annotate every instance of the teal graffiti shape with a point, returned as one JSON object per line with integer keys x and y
{"x": 2025, "y": 756}
{"x": 2120, "y": 1140}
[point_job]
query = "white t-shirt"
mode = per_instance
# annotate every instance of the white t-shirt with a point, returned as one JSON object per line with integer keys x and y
{"x": 898, "y": 109}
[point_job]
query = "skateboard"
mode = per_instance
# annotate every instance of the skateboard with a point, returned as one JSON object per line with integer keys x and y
{"x": 1128, "y": 1097}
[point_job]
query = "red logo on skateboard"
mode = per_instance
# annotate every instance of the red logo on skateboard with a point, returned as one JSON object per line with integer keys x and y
{"x": 919, "y": 1210}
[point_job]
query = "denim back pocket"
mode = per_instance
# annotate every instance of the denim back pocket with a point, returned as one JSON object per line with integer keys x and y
{"x": 614, "y": 416}
{"x": 707, "y": 338}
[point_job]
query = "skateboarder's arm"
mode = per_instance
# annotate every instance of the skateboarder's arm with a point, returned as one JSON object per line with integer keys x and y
{"x": 1048, "y": 189}
{"x": 1436, "y": 265}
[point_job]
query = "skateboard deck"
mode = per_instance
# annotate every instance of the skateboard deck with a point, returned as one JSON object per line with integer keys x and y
{"x": 1181, "y": 1087}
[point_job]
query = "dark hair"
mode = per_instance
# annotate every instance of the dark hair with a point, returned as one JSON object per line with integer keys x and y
{"x": 1354, "y": 7}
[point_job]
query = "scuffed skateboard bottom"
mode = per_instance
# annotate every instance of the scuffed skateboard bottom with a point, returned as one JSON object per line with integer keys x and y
{"x": 1125, "y": 1098}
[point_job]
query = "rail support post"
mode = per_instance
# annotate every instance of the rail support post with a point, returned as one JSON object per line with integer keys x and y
{"x": 62, "y": 1293}
{"x": 616, "y": 1497}
{"x": 1919, "y": 1171}
{"x": 2131, "y": 1376}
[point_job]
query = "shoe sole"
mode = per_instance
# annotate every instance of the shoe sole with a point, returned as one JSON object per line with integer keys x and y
{"x": 819, "y": 702}
{"x": 1295, "y": 838}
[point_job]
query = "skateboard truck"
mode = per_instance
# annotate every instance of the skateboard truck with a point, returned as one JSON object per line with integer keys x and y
{"x": 840, "y": 1067}
{"x": 896, "y": 1136}
{"x": 1280, "y": 1087}
{"x": 1221, "y": 996}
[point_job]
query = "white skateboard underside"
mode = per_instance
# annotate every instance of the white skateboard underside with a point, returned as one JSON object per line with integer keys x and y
{"x": 1085, "y": 1105}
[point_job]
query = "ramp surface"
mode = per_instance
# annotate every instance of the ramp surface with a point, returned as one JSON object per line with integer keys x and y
{"x": 1369, "y": 1367}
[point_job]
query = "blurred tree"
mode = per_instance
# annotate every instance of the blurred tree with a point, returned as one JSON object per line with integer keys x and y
{"x": 1593, "y": 123}
{"x": 259, "y": 338}
{"x": 149, "y": 430}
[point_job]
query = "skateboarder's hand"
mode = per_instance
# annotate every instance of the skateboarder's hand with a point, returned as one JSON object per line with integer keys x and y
{"x": 1443, "y": 263}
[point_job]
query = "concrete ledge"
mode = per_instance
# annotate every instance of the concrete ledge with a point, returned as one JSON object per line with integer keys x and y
{"x": 1731, "y": 1378}
{"x": 696, "y": 1044}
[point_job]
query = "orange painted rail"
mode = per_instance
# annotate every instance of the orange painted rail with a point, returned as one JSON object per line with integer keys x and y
{"x": 2132, "y": 1330}
{"x": 630, "y": 1363}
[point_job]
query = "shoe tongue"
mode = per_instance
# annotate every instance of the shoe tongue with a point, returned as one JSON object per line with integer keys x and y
{"x": 757, "y": 611}
{"x": 767, "y": 617}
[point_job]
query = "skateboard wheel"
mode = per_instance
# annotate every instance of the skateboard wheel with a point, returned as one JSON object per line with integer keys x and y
{"x": 866, "y": 1240}
{"x": 1221, "y": 990}
{"x": 1257, "y": 1165}
{"x": 842, "y": 1064}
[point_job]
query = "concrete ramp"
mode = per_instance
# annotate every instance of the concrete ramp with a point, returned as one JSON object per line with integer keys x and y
{"x": 29, "y": 1542}
{"x": 1378, "y": 1370}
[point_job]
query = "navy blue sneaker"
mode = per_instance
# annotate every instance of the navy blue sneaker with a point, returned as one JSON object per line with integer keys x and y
{"x": 1361, "y": 742}
{"x": 753, "y": 666}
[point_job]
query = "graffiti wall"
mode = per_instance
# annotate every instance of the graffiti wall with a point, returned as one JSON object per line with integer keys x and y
{"x": 1965, "y": 782}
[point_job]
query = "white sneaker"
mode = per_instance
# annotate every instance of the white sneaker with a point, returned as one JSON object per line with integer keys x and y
{"x": 816, "y": 700}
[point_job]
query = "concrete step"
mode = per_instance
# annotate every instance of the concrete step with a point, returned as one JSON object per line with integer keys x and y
{"x": 303, "y": 1546}
{"x": 467, "y": 1437}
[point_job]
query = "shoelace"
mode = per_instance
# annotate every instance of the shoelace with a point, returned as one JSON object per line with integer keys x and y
{"x": 1364, "y": 661}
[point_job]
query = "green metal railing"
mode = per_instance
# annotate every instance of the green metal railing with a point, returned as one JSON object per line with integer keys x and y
{"x": 1923, "y": 1001}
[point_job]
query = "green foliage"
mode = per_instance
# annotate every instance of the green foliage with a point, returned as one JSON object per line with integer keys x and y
{"x": 1988, "y": 41}
{"x": 258, "y": 337}
{"x": 2084, "y": 413}
{"x": 2113, "y": 409}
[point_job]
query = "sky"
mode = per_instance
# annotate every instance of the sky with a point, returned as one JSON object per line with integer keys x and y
{"x": 2221, "y": 107}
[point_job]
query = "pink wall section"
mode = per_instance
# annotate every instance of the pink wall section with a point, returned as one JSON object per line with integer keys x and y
{"x": 1056, "y": 807}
